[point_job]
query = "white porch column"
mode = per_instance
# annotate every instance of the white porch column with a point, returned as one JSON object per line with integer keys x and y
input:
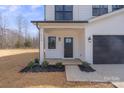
{"x": 41, "y": 45}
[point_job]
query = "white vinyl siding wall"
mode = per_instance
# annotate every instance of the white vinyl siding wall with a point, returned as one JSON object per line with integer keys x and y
{"x": 78, "y": 42}
{"x": 80, "y": 12}
{"x": 113, "y": 25}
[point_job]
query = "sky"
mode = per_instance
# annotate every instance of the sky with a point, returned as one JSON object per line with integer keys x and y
{"x": 30, "y": 12}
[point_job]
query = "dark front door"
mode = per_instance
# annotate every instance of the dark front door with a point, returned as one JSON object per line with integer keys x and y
{"x": 108, "y": 49}
{"x": 68, "y": 47}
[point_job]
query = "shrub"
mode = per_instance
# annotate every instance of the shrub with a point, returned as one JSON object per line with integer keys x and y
{"x": 36, "y": 60}
{"x": 85, "y": 64}
{"x": 31, "y": 64}
{"x": 59, "y": 64}
{"x": 18, "y": 44}
{"x": 27, "y": 43}
{"x": 45, "y": 64}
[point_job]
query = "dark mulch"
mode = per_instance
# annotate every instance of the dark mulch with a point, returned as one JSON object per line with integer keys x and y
{"x": 39, "y": 68}
{"x": 86, "y": 68}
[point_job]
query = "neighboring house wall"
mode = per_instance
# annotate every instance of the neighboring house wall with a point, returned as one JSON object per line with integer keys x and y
{"x": 78, "y": 45}
{"x": 112, "y": 25}
{"x": 80, "y": 12}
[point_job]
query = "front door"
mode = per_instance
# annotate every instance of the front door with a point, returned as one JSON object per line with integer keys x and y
{"x": 68, "y": 47}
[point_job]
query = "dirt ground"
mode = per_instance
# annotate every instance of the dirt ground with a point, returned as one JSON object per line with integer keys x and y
{"x": 12, "y": 61}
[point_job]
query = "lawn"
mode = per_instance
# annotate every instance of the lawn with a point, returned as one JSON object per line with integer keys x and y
{"x": 12, "y": 61}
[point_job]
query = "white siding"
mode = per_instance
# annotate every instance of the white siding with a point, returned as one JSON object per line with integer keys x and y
{"x": 85, "y": 12}
{"x": 82, "y": 45}
{"x": 76, "y": 12}
{"x": 78, "y": 45}
{"x": 113, "y": 25}
{"x": 109, "y": 8}
{"x": 49, "y": 12}
{"x": 80, "y": 12}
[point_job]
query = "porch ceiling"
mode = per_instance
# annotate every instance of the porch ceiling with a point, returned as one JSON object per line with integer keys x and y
{"x": 60, "y": 24}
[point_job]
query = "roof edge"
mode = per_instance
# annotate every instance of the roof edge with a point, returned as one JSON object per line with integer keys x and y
{"x": 106, "y": 15}
{"x": 65, "y": 21}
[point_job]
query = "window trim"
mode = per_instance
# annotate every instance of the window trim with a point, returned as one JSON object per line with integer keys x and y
{"x": 71, "y": 11}
{"x": 114, "y": 9}
{"x": 48, "y": 42}
{"x": 100, "y": 7}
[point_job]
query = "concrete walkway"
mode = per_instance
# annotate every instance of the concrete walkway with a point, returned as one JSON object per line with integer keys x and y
{"x": 118, "y": 84}
{"x": 104, "y": 73}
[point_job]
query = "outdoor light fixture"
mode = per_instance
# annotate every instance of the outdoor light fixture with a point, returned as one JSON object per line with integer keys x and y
{"x": 59, "y": 38}
{"x": 89, "y": 39}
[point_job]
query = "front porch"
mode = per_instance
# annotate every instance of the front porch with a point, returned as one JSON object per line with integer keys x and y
{"x": 62, "y": 41}
{"x": 53, "y": 61}
{"x": 68, "y": 43}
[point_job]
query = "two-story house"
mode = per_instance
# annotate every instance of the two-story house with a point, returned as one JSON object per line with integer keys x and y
{"x": 92, "y": 33}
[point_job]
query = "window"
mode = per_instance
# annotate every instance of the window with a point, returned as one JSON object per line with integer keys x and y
{"x": 98, "y": 10}
{"x": 116, "y": 7}
{"x": 68, "y": 40}
{"x": 63, "y": 12}
{"x": 51, "y": 42}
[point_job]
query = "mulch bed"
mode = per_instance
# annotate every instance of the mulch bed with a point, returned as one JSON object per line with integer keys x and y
{"x": 39, "y": 68}
{"x": 86, "y": 68}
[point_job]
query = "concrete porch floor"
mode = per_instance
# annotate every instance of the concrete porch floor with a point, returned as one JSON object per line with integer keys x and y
{"x": 64, "y": 61}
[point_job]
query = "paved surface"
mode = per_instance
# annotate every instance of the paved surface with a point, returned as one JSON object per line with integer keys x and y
{"x": 104, "y": 73}
{"x": 118, "y": 84}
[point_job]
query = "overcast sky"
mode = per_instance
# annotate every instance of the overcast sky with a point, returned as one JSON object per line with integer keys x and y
{"x": 29, "y": 12}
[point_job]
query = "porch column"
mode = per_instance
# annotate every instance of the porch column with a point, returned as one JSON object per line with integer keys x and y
{"x": 41, "y": 45}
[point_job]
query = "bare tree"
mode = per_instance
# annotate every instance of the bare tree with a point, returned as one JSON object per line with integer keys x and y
{"x": 10, "y": 38}
{"x": 35, "y": 41}
{"x": 3, "y": 33}
{"x": 19, "y": 22}
{"x": 25, "y": 29}
{"x": 5, "y": 25}
{"x": 28, "y": 40}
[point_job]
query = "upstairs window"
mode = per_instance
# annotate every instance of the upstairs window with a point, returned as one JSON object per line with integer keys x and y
{"x": 51, "y": 42}
{"x": 63, "y": 12}
{"x": 98, "y": 10}
{"x": 116, "y": 7}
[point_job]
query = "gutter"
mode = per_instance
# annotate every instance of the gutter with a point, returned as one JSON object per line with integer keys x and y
{"x": 39, "y": 37}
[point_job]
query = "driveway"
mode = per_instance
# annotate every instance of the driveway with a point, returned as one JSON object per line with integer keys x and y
{"x": 104, "y": 73}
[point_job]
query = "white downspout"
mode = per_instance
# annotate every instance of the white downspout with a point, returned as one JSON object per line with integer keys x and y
{"x": 41, "y": 44}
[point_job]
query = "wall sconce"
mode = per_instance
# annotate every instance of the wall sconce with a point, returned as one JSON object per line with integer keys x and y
{"x": 59, "y": 38}
{"x": 89, "y": 39}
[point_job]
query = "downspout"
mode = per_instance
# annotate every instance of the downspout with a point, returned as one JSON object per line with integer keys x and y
{"x": 39, "y": 37}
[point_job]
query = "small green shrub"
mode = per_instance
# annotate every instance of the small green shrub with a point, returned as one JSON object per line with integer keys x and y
{"x": 36, "y": 60}
{"x": 59, "y": 64}
{"x": 31, "y": 64}
{"x": 85, "y": 64}
{"x": 45, "y": 64}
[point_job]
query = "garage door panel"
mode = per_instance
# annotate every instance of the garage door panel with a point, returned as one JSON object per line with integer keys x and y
{"x": 108, "y": 49}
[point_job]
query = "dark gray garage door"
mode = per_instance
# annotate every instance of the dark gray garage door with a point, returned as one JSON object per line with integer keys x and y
{"x": 108, "y": 49}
